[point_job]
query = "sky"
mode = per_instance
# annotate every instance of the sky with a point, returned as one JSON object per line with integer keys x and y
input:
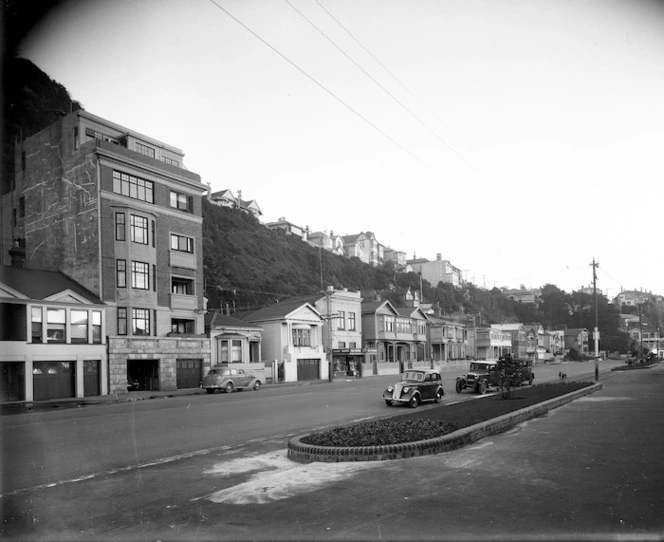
{"x": 521, "y": 140}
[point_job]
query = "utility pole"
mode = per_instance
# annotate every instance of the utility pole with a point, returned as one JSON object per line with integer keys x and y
{"x": 595, "y": 265}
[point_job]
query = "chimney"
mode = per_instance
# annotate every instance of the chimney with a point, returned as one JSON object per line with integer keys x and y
{"x": 17, "y": 253}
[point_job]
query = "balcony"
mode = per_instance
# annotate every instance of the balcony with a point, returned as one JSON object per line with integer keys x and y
{"x": 184, "y": 302}
{"x": 182, "y": 259}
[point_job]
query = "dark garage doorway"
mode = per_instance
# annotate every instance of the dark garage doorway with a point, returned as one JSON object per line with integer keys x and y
{"x": 145, "y": 372}
{"x": 189, "y": 373}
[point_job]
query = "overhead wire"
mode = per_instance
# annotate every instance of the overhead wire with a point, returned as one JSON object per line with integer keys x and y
{"x": 380, "y": 85}
{"x": 327, "y": 90}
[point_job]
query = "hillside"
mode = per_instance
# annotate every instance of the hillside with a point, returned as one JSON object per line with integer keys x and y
{"x": 32, "y": 101}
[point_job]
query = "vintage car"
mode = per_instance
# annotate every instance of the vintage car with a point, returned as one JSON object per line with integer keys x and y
{"x": 525, "y": 371}
{"x": 228, "y": 379}
{"x": 416, "y": 386}
{"x": 480, "y": 377}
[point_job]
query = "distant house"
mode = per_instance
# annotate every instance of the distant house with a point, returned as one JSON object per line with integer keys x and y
{"x": 330, "y": 242}
{"x": 225, "y": 198}
{"x": 437, "y": 271}
{"x": 491, "y": 343}
{"x": 522, "y": 295}
{"x": 517, "y": 333}
{"x": 577, "y": 338}
{"x": 287, "y": 227}
{"x": 447, "y": 339}
{"x": 354, "y": 246}
{"x": 396, "y": 256}
{"x": 292, "y": 338}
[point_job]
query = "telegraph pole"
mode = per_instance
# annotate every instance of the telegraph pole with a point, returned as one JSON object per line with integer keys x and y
{"x": 595, "y": 265}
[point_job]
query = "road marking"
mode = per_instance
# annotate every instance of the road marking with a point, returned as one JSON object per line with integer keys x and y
{"x": 162, "y": 461}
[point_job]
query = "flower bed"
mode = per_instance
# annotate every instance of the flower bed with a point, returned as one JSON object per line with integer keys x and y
{"x": 427, "y": 423}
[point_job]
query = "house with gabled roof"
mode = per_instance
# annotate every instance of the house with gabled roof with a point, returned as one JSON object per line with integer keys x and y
{"x": 577, "y": 338}
{"x": 398, "y": 336}
{"x": 292, "y": 340}
{"x": 288, "y": 228}
{"x": 225, "y": 198}
{"x": 52, "y": 337}
{"x": 354, "y": 246}
{"x": 235, "y": 342}
{"x": 517, "y": 333}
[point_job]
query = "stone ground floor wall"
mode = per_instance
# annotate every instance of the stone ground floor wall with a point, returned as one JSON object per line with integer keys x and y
{"x": 163, "y": 351}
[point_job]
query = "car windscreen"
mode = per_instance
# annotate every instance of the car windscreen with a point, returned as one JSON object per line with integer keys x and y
{"x": 413, "y": 375}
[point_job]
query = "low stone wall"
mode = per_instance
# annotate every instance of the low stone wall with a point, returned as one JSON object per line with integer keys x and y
{"x": 307, "y": 453}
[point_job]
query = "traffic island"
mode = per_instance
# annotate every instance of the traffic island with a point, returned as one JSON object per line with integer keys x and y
{"x": 303, "y": 452}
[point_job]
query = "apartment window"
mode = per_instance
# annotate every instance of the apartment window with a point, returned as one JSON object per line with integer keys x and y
{"x": 182, "y": 243}
{"x": 138, "y": 227}
{"x": 37, "y": 324}
{"x": 122, "y": 321}
{"x": 180, "y": 325}
{"x": 140, "y": 276}
{"x": 352, "y": 345}
{"x": 153, "y": 228}
{"x": 182, "y": 286}
{"x": 21, "y": 207}
{"x": 351, "y": 321}
{"x": 302, "y": 336}
{"x": 144, "y": 149}
{"x": 342, "y": 344}
{"x": 79, "y": 326}
{"x": 140, "y": 322}
{"x": 56, "y": 322}
{"x": 121, "y": 273}
{"x": 96, "y": 327}
{"x": 182, "y": 202}
{"x": 133, "y": 187}
{"x": 154, "y": 278}
{"x": 170, "y": 161}
{"x": 120, "y": 230}
{"x": 342, "y": 320}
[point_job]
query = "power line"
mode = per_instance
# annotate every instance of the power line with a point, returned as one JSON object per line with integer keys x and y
{"x": 323, "y": 87}
{"x": 365, "y": 72}
{"x": 391, "y": 74}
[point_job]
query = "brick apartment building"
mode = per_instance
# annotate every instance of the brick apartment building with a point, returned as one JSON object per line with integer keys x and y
{"x": 118, "y": 213}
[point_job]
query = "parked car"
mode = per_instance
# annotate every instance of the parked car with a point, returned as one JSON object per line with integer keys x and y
{"x": 525, "y": 371}
{"x": 228, "y": 380}
{"x": 480, "y": 377}
{"x": 415, "y": 387}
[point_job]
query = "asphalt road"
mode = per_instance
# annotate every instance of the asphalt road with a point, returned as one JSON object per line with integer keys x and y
{"x": 186, "y": 468}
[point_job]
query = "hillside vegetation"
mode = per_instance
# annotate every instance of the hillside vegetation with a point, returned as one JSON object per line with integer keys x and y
{"x": 249, "y": 266}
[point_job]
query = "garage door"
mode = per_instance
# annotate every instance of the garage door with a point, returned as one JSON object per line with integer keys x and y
{"x": 308, "y": 369}
{"x": 53, "y": 379}
{"x": 189, "y": 373}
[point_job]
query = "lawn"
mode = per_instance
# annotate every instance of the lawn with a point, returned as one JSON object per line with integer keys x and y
{"x": 435, "y": 421}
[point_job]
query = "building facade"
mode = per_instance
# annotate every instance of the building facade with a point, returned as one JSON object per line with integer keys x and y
{"x": 117, "y": 212}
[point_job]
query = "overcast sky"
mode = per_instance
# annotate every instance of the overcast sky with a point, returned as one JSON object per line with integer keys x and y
{"x": 518, "y": 139}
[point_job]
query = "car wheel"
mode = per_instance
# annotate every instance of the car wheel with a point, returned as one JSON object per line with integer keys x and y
{"x": 414, "y": 401}
{"x": 459, "y": 386}
{"x": 439, "y": 396}
{"x": 209, "y": 390}
{"x": 482, "y": 389}
{"x": 229, "y": 387}
{"x": 257, "y": 385}
{"x": 388, "y": 402}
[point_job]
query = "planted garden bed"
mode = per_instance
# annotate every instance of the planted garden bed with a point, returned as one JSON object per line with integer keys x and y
{"x": 427, "y": 423}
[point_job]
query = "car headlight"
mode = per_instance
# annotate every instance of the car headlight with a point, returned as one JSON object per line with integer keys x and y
{"x": 406, "y": 389}
{"x": 390, "y": 389}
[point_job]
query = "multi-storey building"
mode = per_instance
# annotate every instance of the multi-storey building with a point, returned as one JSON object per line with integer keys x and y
{"x": 492, "y": 343}
{"x": 518, "y": 333}
{"x": 437, "y": 271}
{"x": 342, "y": 333}
{"x": 117, "y": 212}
